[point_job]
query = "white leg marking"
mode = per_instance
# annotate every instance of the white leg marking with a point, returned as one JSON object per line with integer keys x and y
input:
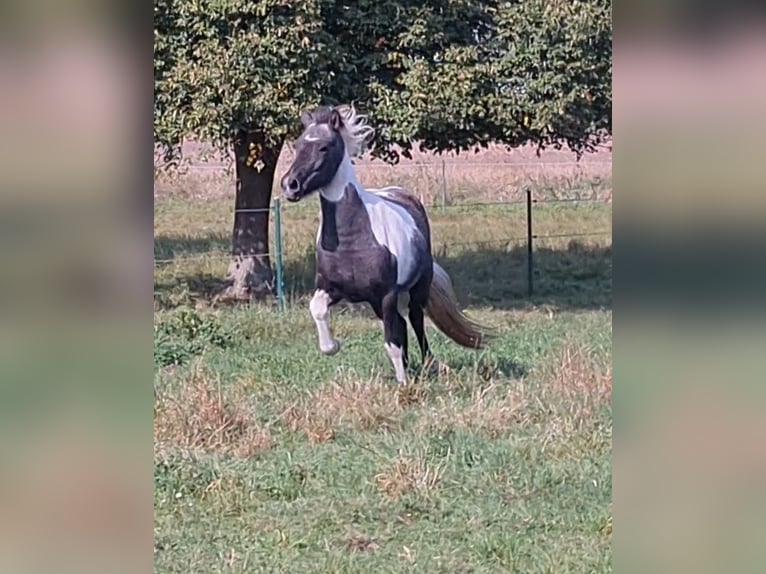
{"x": 403, "y": 304}
{"x": 397, "y": 359}
{"x": 320, "y": 314}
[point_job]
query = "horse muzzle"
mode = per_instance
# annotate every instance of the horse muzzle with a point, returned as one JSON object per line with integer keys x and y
{"x": 291, "y": 188}
{"x": 292, "y": 198}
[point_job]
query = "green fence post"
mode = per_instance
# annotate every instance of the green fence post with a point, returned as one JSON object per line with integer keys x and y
{"x": 530, "y": 237}
{"x": 278, "y": 254}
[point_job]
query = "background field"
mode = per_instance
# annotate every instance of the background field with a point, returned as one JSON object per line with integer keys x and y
{"x": 270, "y": 457}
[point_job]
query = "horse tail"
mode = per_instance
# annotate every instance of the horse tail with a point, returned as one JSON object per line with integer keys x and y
{"x": 443, "y": 310}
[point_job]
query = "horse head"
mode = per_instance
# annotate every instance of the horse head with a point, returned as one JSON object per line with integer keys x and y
{"x": 330, "y": 135}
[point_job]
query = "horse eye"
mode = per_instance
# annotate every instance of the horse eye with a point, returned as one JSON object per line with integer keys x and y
{"x": 323, "y": 148}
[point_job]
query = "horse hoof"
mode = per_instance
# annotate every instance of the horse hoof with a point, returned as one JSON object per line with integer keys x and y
{"x": 434, "y": 368}
{"x": 332, "y": 349}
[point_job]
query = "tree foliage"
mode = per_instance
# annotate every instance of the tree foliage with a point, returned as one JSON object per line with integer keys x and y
{"x": 450, "y": 74}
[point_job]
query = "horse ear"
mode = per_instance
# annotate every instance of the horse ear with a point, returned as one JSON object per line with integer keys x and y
{"x": 336, "y": 121}
{"x": 307, "y": 119}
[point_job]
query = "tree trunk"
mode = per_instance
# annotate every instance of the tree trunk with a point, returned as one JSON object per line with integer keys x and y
{"x": 249, "y": 276}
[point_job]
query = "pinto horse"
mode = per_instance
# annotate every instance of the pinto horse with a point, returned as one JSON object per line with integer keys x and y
{"x": 373, "y": 245}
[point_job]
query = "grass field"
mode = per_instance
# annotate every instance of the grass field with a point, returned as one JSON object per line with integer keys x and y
{"x": 270, "y": 457}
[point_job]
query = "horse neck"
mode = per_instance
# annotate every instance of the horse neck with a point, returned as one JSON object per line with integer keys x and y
{"x": 346, "y": 174}
{"x": 330, "y": 197}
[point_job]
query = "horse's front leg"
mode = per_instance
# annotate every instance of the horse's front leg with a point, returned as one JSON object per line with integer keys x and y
{"x": 320, "y": 312}
{"x": 395, "y": 334}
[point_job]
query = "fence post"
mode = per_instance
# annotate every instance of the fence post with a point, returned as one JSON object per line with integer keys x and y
{"x": 278, "y": 254}
{"x": 444, "y": 186}
{"x": 530, "y": 261}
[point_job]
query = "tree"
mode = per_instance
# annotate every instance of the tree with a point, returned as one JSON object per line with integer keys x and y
{"x": 448, "y": 74}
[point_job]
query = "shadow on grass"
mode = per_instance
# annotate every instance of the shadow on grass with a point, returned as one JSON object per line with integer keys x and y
{"x": 177, "y": 247}
{"x": 572, "y": 277}
{"x": 186, "y": 288}
{"x": 575, "y": 277}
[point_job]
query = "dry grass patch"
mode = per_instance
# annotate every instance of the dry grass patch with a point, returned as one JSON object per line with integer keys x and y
{"x": 409, "y": 474}
{"x": 565, "y": 398}
{"x": 194, "y": 184}
{"x": 608, "y": 527}
{"x": 410, "y": 394}
{"x": 576, "y": 388}
{"x": 361, "y": 405}
{"x": 492, "y": 174}
{"x": 361, "y": 543}
{"x": 199, "y": 416}
{"x": 492, "y": 410}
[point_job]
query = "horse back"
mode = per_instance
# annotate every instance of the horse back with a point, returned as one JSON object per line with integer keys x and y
{"x": 411, "y": 205}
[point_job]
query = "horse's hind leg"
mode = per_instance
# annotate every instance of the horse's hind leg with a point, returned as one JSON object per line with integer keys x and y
{"x": 416, "y": 320}
{"x": 319, "y": 307}
{"x": 395, "y": 333}
{"x": 418, "y": 301}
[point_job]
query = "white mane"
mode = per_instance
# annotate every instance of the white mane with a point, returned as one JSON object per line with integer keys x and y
{"x": 355, "y": 132}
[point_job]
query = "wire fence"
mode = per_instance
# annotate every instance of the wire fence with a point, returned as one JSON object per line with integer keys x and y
{"x": 229, "y": 166}
{"x": 529, "y": 239}
{"x": 439, "y": 182}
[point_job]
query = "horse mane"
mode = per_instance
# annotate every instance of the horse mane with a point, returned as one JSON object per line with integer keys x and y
{"x": 355, "y": 132}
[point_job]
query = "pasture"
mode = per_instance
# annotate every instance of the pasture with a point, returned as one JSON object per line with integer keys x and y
{"x": 270, "y": 457}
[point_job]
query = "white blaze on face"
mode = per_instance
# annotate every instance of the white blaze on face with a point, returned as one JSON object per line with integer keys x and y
{"x": 315, "y": 132}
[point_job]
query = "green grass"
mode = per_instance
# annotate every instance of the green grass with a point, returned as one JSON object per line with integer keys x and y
{"x": 270, "y": 457}
{"x": 483, "y": 247}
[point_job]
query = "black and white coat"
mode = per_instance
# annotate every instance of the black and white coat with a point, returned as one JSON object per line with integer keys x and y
{"x": 373, "y": 246}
